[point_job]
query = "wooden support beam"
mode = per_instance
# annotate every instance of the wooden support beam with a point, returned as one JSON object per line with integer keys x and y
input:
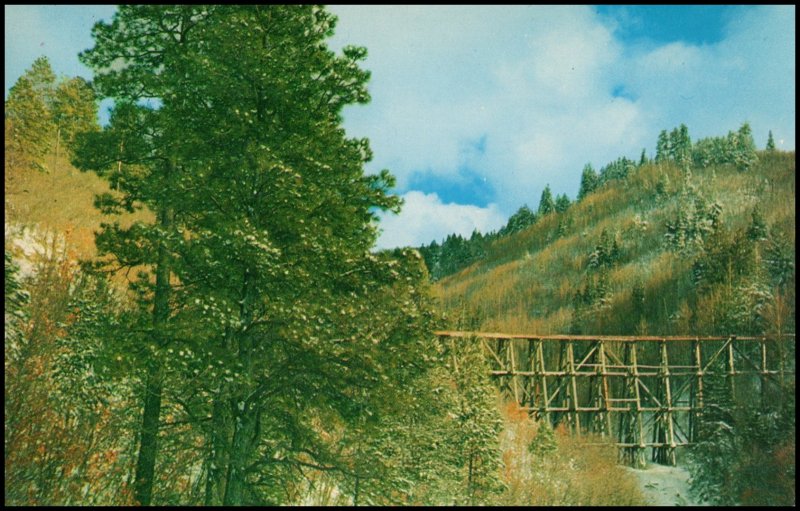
{"x": 533, "y": 387}
{"x": 512, "y": 359}
{"x": 543, "y": 379}
{"x": 605, "y": 390}
{"x": 668, "y": 408}
{"x": 576, "y": 420}
{"x": 639, "y": 431}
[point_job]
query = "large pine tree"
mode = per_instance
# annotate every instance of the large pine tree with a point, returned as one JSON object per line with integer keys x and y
{"x": 261, "y": 263}
{"x": 137, "y": 61}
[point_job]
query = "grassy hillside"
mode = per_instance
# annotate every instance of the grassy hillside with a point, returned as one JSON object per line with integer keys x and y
{"x": 527, "y": 282}
{"x": 59, "y": 201}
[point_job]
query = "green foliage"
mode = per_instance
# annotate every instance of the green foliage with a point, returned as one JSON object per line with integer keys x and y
{"x": 770, "y": 142}
{"x": 455, "y": 252}
{"x": 716, "y": 446}
{"x": 29, "y": 121}
{"x": 618, "y": 169}
{"x": 589, "y": 181}
{"x": 643, "y": 160}
{"x": 74, "y": 109}
{"x": 42, "y": 113}
{"x": 282, "y": 315}
{"x": 757, "y": 231}
{"x": 744, "y": 148}
{"x": 520, "y": 220}
{"x": 744, "y": 455}
{"x": 724, "y": 259}
{"x": 663, "y": 147}
{"x": 544, "y": 443}
{"x": 16, "y": 315}
{"x": 477, "y": 424}
{"x": 779, "y": 258}
{"x": 65, "y": 424}
{"x": 546, "y": 203}
{"x": 737, "y": 148}
{"x": 680, "y": 147}
{"x": 562, "y": 203}
{"x": 695, "y": 220}
{"x": 606, "y": 253}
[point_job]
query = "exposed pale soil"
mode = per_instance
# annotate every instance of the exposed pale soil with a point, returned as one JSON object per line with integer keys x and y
{"x": 665, "y": 486}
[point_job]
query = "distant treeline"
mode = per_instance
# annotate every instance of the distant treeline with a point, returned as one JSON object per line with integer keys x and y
{"x": 736, "y": 148}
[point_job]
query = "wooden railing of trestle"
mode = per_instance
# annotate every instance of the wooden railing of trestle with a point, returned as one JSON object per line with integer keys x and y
{"x": 642, "y": 391}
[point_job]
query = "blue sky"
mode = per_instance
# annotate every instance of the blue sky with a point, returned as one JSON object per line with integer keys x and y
{"x": 476, "y": 109}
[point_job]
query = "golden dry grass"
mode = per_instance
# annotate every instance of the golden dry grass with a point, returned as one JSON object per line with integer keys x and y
{"x": 61, "y": 201}
{"x": 582, "y": 471}
{"x": 527, "y": 281}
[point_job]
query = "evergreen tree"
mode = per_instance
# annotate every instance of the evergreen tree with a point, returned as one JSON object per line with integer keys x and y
{"x": 546, "y": 203}
{"x": 757, "y": 231}
{"x": 662, "y": 185}
{"x": 521, "y": 219}
{"x": 617, "y": 169}
{"x": 431, "y": 254}
{"x": 74, "y": 110}
{"x": 16, "y": 299}
{"x": 269, "y": 222}
{"x": 681, "y": 147}
{"x": 544, "y": 443}
{"x": 589, "y": 181}
{"x": 779, "y": 258}
{"x": 643, "y": 158}
{"x": 477, "y": 425}
{"x": 695, "y": 219}
{"x": 144, "y": 154}
{"x": 744, "y": 148}
{"x": 716, "y": 446}
{"x": 606, "y": 253}
{"x": 770, "y": 142}
{"x": 28, "y": 117}
{"x": 562, "y": 203}
{"x": 662, "y": 147}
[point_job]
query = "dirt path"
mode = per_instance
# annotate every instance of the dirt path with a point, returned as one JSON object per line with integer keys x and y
{"x": 665, "y": 486}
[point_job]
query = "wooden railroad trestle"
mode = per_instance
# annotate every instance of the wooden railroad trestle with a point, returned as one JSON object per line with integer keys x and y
{"x": 643, "y": 391}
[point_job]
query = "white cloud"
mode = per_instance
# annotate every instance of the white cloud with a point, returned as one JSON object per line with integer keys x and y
{"x": 748, "y": 76}
{"x": 535, "y": 81}
{"x": 538, "y": 82}
{"x": 425, "y": 218}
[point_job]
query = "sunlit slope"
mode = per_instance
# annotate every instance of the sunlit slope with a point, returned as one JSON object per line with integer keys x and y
{"x": 60, "y": 201}
{"x": 527, "y": 283}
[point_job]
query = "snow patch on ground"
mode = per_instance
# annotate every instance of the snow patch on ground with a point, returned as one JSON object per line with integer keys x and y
{"x": 665, "y": 486}
{"x": 29, "y": 245}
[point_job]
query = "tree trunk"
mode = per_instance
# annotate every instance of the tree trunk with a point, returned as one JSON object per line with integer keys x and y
{"x": 218, "y": 461}
{"x": 148, "y": 444}
{"x": 243, "y": 445}
{"x": 58, "y": 140}
{"x": 245, "y": 427}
